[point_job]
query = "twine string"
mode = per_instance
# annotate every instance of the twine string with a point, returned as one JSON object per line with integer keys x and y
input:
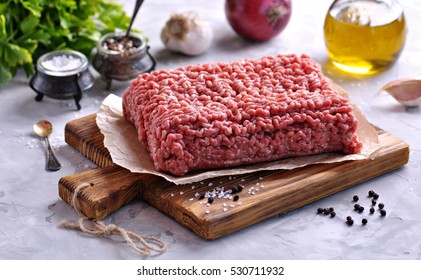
{"x": 148, "y": 244}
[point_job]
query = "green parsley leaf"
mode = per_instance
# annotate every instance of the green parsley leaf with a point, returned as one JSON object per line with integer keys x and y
{"x": 30, "y": 28}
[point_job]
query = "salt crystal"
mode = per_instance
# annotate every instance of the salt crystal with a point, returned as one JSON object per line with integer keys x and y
{"x": 225, "y": 209}
{"x": 62, "y": 63}
{"x": 191, "y": 199}
{"x": 172, "y": 194}
{"x": 232, "y": 205}
{"x": 207, "y": 211}
{"x": 210, "y": 184}
{"x": 181, "y": 193}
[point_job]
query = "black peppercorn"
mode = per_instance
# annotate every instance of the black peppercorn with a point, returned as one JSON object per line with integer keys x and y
{"x": 234, "y": 190}
{"x": 350, "y": 222}
{"x": 357, "y": 207}
{"x": 349, "y": 218}
{"x": 355, "y": 198}
{"x": 210, "y": 200}
{"x": 372, "y": 210}
{"x": 376, "y": 196}
{"x": 240, "y": 188}
{"x": 373, "y": 202}
{"x": 370, "y": 193}
{"x": 202, "y": 196}
{"x": 331, "y": 209}
{"x": 383, "y": 212}
{"x": 361, "y": 209}
{"x": 364, "y": 221}
{"x": 332, "y": 214}
{"x": 326, "y": 211}
{"x": 320, "y": 210}
{"x": 236, "y": 197}
{"x": 381, "y": 205}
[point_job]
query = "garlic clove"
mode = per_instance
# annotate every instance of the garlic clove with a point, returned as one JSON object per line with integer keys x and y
{"x": 407, "y": 91}
{"x": 187, "y": 33}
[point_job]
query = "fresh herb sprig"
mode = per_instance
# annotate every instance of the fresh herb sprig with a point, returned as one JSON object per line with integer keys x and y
{"x": 30, "y": 28}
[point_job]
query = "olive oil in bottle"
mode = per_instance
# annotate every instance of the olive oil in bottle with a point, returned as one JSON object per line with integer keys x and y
{"x": 364, "y": 36}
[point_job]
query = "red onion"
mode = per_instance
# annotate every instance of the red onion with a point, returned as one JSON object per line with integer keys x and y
{"x": 258, "y": 20}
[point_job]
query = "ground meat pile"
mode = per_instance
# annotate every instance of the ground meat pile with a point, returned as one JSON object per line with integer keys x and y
{"x": 218, "y": 115}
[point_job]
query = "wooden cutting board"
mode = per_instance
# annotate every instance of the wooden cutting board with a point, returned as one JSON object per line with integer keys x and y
{"x": 265, "y": 194}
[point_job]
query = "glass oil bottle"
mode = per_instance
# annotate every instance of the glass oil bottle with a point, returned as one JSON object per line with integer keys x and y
{"x": 364, "y": 36}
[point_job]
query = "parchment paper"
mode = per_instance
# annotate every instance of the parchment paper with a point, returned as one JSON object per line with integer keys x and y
{"x": 120, "y": 138}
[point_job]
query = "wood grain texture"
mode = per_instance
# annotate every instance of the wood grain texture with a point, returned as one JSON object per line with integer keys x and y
{"x": 84, "y": 135}
{"x": 113, "y": 186}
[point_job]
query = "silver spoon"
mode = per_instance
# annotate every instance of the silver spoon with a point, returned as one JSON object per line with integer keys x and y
{"x": 43, "y": 129}
{"x": 136, "y": 9}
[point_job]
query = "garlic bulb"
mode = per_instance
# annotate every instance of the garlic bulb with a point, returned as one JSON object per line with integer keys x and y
{"x": 406, "y": 91}
{"x": 187, "y": 33}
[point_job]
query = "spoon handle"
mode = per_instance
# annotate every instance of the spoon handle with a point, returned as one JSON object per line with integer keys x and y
{"x": 52, "y": 163}
{"x": 136, "y": 9}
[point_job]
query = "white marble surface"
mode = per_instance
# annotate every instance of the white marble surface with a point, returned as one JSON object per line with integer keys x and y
{"x": 30, "y": 207}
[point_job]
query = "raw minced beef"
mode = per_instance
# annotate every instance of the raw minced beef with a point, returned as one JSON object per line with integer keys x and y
{"x": 218, "y": 115}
